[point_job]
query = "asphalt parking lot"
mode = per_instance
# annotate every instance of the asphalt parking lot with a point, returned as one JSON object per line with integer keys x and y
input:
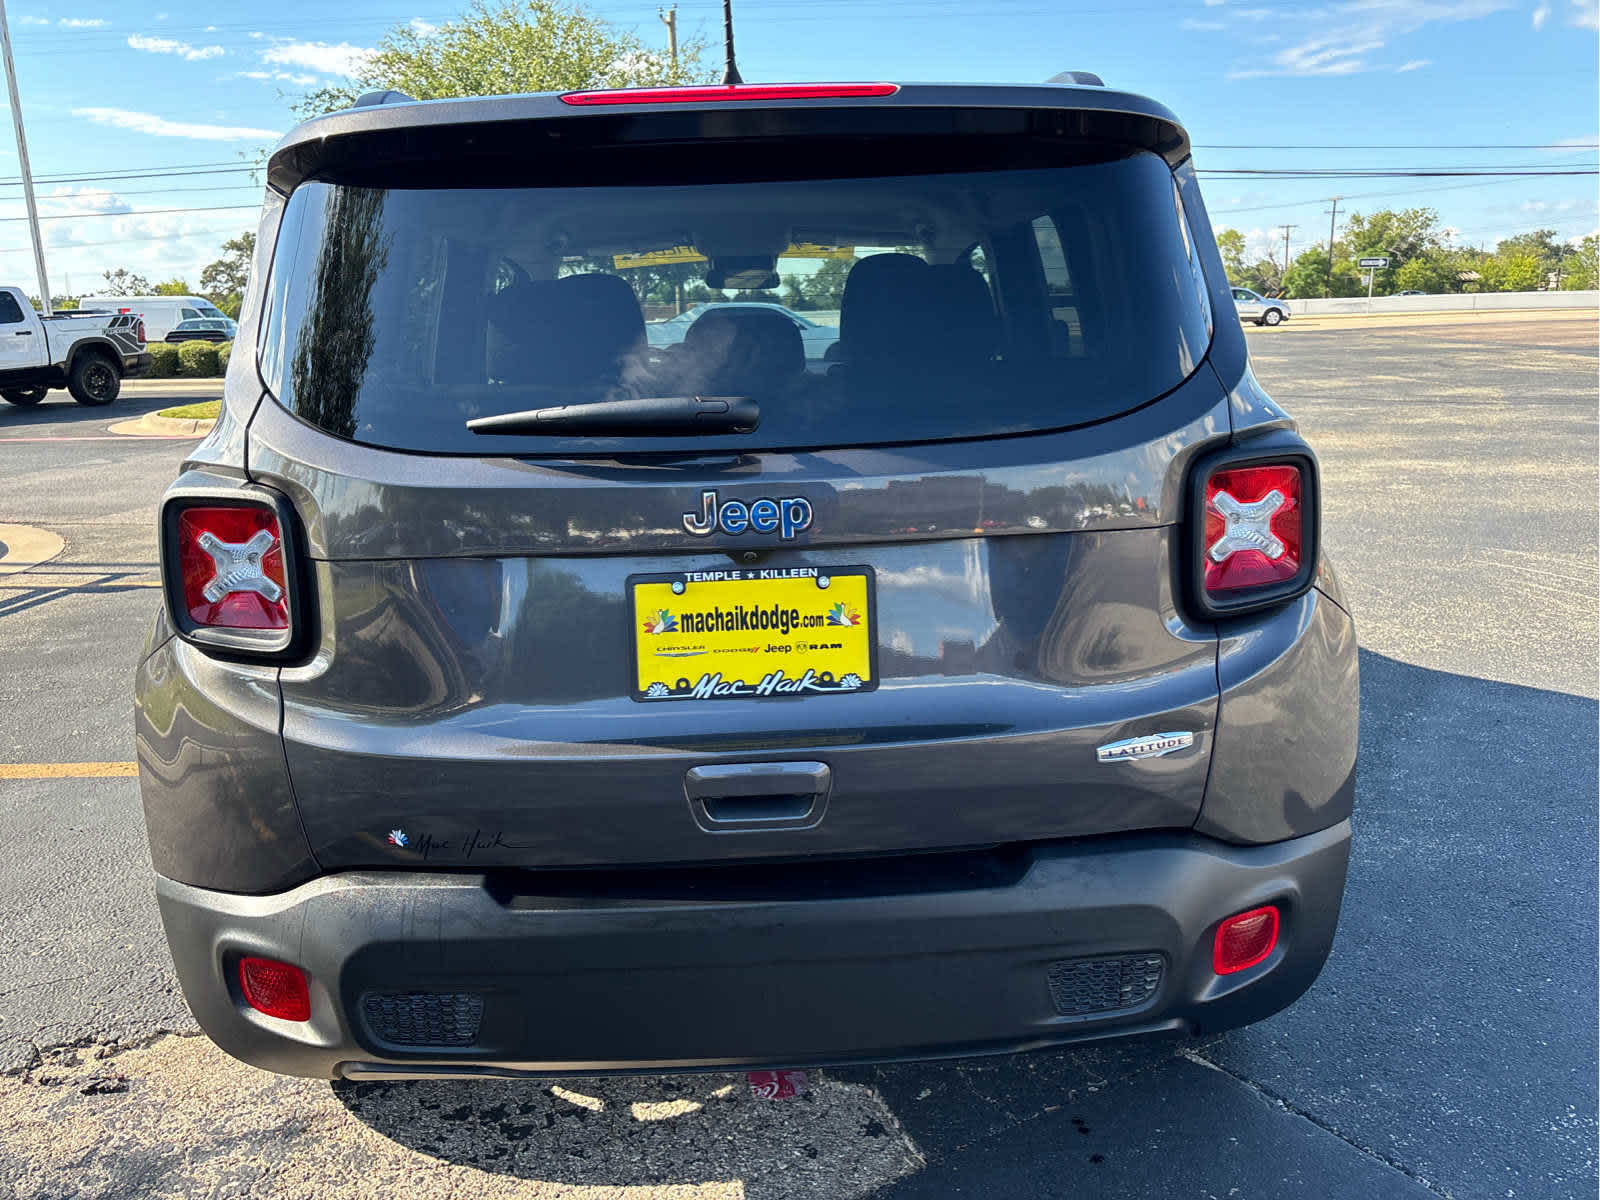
{"x": 1448, "y": 1049}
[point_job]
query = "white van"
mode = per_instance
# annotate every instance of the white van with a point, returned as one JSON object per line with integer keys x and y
{"x": 160, "y": 313}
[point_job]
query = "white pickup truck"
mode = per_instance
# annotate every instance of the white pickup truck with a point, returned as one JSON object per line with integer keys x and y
{"x": 87, "y": 355}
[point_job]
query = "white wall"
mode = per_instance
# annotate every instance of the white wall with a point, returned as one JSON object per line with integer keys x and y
{"x": 1476, "y": 302}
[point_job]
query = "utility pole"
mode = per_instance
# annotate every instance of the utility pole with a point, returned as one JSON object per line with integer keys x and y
{"x": 22, "y": 161}
{"x": 669, "y": 18}
{"x": 1286, "y": 229}
{"x": 1333, "y": 215}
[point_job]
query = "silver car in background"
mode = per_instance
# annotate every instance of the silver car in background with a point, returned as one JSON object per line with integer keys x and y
{"x": 1252, "y": 307}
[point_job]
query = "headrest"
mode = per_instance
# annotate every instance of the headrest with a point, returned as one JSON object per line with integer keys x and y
{"x": 967, "y": 309}
{"x": 571, "y": 332}
{"x": 881, "y": 314}
{"x": 745, "y": 350}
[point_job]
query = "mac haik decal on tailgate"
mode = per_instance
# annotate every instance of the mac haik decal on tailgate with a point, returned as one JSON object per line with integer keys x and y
{"x": 753, "y": 633}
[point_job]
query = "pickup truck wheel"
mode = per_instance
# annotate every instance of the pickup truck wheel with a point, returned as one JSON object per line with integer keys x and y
{"x": 94, "y": 380}
{"x": 24, "y": 397}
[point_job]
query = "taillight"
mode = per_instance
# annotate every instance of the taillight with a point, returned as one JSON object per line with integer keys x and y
{"x": 1244, "y": 940}
{"x": 1253, "y": 534}
{"x": 138, "y": 330}
{"x": 232, "y": 564}
{"x": 738, "y": 91}
{"x": 229, "y": 571}
{"x": 1254, "y": 529}
{"x": 275, "y": 988}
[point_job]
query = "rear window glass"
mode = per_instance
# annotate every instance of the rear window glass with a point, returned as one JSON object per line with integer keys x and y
{"x": 854, "y": 311}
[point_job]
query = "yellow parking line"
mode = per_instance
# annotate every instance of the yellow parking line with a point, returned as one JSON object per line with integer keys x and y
{"x": 81, "y": 770}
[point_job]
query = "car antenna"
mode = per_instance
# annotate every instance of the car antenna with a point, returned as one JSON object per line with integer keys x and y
{"x": 730, "y": 74}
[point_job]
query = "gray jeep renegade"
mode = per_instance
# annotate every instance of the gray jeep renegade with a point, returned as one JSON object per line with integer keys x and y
{"x": 536, "y": 695}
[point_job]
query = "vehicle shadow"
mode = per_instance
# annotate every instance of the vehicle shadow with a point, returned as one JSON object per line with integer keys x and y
{"x": 1425, "y": 1045}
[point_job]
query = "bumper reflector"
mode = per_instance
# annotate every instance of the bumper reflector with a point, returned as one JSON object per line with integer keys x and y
{"x": 1244, "y": 939}
{"x": 275, "y": 988}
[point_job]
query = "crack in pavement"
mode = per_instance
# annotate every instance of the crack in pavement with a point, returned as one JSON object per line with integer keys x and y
{"x": 1195, "y": 1056}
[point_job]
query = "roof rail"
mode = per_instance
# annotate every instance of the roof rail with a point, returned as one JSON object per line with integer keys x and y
{"x": 1081, "y": 78}
{"x": 386, "y": 96}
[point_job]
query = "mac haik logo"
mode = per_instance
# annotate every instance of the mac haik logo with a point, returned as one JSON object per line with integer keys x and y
{"x": 842, "y": 614}
{"x": 785, "y": 517}
{"x": 662, "y": 622}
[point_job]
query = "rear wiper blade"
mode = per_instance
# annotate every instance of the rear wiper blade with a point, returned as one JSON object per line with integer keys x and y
{"x": 647, "y": 416}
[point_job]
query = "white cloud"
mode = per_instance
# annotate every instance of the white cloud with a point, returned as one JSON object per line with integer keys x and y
{"x": 80, "y": 22}
{"x": 1416, "y": 64}
{"x": 138, "y": 122}
{"x": 1346, "y": 39}
{"x": 422, "y": 28}
{"x": 1585, "y": 14}
{"x": 1195, "y": 26}
{"x": 1540, "y": 16}
{"x": 280, "y": 76}
{"x": 1576, "y": 143}
{"x": 323, "y": 57}
{"x": 33, "y": 21}
{"x": 155, "y": 45}
{"x": 65, "y": 200}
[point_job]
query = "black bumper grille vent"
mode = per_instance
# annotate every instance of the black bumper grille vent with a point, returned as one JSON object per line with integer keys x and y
{"x": 424, "y": 1018}
{"x": 1080, "y": 986}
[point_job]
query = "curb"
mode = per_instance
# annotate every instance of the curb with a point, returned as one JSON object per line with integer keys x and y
{"x": 151, "y": 425}
{"x": 24, "y": 546}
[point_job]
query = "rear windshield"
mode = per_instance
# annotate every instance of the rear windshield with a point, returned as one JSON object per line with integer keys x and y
{"x": 854, "y": 311}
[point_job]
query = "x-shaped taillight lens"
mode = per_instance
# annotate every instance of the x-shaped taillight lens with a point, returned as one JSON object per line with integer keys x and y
{"x": 231, "y": 561}
{"x": 1254, "y": 527}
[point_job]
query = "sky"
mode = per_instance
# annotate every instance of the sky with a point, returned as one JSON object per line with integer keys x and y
{"x": 141, "y": 88}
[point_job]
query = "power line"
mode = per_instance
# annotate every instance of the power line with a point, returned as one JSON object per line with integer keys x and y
{"x": 141, "y": 212}
{"x": 1449, "y": 187}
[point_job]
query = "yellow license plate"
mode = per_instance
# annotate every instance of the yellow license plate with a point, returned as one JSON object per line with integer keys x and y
{"x": 753, "y": 633}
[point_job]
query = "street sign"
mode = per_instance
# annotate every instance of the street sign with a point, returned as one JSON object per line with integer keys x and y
{"x": 1372, "y": 262}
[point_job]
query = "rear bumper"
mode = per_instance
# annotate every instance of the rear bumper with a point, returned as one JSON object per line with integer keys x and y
{"x": 589, "y": 983}
{"x": 135, "y": 364}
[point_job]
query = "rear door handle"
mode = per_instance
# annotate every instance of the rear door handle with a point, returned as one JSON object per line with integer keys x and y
{"x": 23, "y": 333}
{"x": 749, "y": 797}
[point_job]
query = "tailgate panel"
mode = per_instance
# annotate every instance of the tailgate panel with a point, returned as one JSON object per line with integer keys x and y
{"x": 481, "y": 708}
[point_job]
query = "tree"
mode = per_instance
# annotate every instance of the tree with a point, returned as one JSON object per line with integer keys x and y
{"x": 223, "y": 281}
{"x": 1581, "y": 268}
{"x": 1230, "y": 244}
{"x": 173, "y": 287}
{"x": 1436, "y": 274}
{"x": 825, "y": 288}
{"x": 123, "y": 282}
{"x": 509, "y": 46}
{"x": 1264, "y": 276}
{"x": 1309, "y": 274}
{"x": 1541, "y": 245}
{"x": 1510, "y": 273}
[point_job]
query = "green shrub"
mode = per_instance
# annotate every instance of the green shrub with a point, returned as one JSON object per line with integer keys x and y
{"x": 163, "y": 360}
{"x": 224, "y": 352}
{"x": 197, "y": 358}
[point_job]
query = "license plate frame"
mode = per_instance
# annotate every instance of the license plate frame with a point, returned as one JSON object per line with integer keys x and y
{"x": 829, "y": 654}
